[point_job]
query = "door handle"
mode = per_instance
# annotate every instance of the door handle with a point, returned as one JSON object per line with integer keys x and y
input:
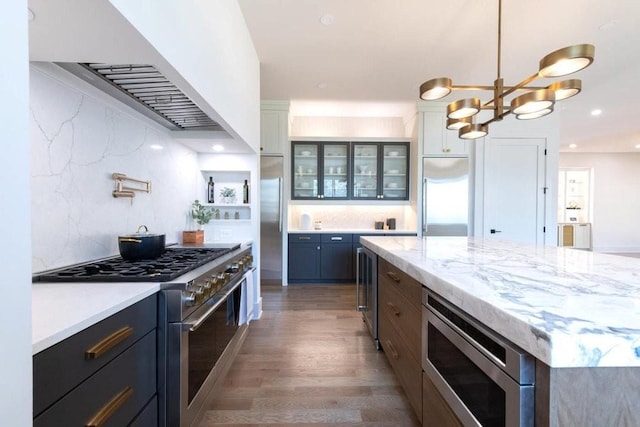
{"x": 494, "y": 231}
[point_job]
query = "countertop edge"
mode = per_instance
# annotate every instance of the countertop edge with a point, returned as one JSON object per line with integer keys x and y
{"x": 50, "y": 328}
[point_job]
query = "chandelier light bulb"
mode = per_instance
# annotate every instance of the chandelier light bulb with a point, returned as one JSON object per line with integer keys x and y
{"x": 435, "y": 88}
{"x": 566, "y": 60}
{"x": 566, "y": 88}
{"x": 455, "y": 124}
{"x": 537, "y": 114}
{"x": 532, "y": 102}
{"x": 473, "y": 131}
{"x": 463, "y": 108}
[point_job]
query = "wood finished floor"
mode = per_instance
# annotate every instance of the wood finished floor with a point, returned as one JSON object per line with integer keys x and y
{"x": 310, "y": 361}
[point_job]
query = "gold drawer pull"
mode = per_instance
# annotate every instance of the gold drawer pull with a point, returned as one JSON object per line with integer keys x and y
{"x": 304, "y": 238}
{"x": 393, "y": 276}
{"x": 108, "y": 343}
{"x": 110, "y": 408}
{"x": 393, "y": 351}
{"x": 393, "y": 308}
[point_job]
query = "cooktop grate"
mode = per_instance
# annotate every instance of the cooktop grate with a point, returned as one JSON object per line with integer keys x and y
{"x": 173, "y": 263}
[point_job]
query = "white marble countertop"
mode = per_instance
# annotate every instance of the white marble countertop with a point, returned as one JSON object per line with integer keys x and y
{"x": 60, "y": 310}
{"x": 352, "y": 231}
{"x": 568, "y": 308}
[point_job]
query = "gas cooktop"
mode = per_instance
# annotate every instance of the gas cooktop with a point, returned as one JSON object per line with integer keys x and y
{"x": 173, "y": 263}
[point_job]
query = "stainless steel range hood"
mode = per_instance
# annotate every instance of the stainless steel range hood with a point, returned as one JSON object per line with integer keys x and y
{"x": 146, "y": 90}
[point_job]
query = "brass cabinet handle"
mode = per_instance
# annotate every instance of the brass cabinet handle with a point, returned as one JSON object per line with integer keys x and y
{"x": 393, "y": 276}
{"x": 108, "y": 343}
{"x": 393, "y": 308}
{"x": 304, "y": 238}
{"x": 103, "y": 415}
{"x": 393, "y": 351}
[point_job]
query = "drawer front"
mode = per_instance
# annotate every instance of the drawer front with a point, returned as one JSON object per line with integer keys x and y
{"x": 436, "y": 412}
{"x": 304, "y": 238}
{"x": 63, "y": 366}
{"x": 149, "y": 415}
{"x": 336, "y": 238}
{"x": 401, "y": 282}
{"x": 405, "y": 319}
{"x": 407, "y": 369}
{"x": 128, "y": 383}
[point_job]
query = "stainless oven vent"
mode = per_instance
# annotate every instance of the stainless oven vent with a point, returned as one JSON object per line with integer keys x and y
{"x": 145, "y": 89}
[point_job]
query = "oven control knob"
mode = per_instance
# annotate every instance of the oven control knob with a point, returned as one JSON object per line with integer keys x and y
{"x": 190, "y": 299}
{"x": 222, "y": 278}
{"x": 199, "y": 294}
{"x": 207, "y": 286}
{"x": 235, "y": 267}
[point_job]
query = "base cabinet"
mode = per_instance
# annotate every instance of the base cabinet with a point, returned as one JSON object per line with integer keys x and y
{"x": 320, "y": 257}
{"x": 105, "y": 373}
{"x": 399, "y": 328}
{"x": 435, "y": 411}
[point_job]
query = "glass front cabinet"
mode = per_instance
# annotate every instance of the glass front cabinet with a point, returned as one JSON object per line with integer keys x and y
{"x": 320, "y": 170}
{"x": 350, "y": 170}
{"x": 380, "y": 171}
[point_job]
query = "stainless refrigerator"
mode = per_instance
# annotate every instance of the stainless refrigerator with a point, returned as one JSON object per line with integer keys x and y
{"x": 445, "y": 196}
{"x": 271, "y": 195}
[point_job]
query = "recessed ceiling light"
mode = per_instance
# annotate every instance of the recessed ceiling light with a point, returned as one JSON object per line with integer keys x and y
{"x": 322, "y": 85}
{"x": 156, "y": 147}
{"x": 31, "y": 15}
{"x": 218, "y": 147}
{"x": 596, "y": 112}
{"x": 326, "y": 20}
{"x": 572, "y": 145}
{"x": 637, "y": 145}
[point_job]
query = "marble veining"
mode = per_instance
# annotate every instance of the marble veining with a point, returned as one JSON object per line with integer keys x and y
{"x": 568, "y": 308}
{"x": 78, "y": 139}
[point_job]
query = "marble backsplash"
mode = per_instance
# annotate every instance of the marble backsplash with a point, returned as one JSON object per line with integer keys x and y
{"x": 353, "y": 217}
{"x": 78, "y": 139}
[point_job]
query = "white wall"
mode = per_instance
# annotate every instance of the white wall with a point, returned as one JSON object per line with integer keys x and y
{"x": 79, "y": 137}
{"x": 15, "y": 317}
{"x": 209, "y": 45}
{"x": 616, "y": 198}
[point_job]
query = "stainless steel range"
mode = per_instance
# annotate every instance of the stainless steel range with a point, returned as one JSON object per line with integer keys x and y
{"x": 199, "y": 320}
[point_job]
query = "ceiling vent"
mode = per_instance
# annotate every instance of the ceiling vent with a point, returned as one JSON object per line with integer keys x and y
{"x": 146, "y": 90}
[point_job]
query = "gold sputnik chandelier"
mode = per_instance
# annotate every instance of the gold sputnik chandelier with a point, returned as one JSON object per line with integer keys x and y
{"x": 536, "y": 102}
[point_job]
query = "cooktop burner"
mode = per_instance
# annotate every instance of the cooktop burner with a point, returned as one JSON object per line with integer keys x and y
{"x": 173, "y": 263}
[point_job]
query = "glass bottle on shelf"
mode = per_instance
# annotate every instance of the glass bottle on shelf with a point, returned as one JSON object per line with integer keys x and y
{"x": 245, "y": 192}
{"x": 210, "y": 191}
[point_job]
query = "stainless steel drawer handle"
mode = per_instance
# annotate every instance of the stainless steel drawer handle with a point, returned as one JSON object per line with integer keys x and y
{"x": 393, "y": 308}
{"x": 393, "y": 276}
{"x": 336, "y": 238}
{"x": 110, "y": 408}
{"x": 108, "y": 343}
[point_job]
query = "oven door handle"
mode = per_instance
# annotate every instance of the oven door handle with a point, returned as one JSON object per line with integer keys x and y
{"x": 190, "y": 324}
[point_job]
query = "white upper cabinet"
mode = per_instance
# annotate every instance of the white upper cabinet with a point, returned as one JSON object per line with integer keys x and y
{"x": 437, "y": 140}
{"x": 274, "y": 127}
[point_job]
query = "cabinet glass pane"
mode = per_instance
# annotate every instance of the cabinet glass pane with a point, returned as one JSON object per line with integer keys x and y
{"x": 335, "y": 162}
{"x": 305, "y": 167}
{"x": 365, "y": 173}
{"x": 394, "y": 178}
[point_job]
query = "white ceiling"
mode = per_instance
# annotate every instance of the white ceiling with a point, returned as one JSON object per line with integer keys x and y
{"x": 380, "y": 51}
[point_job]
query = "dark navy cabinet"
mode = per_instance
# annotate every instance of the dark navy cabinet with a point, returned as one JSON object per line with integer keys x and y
{"x": 320, "y": 257}
{"x": 105, "y": 373}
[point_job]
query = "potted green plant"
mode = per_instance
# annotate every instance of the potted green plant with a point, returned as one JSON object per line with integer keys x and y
{"x": 202, "y": 215}
{"x": 228, "y": 195}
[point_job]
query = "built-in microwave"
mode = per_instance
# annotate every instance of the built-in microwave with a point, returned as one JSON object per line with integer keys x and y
{"x": 484, "y": 379}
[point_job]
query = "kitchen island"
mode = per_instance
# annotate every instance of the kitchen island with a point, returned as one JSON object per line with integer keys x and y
{"x": 576, "y": 312}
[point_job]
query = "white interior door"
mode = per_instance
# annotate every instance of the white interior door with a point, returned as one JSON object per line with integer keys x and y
{"x": 514, "y": 182}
